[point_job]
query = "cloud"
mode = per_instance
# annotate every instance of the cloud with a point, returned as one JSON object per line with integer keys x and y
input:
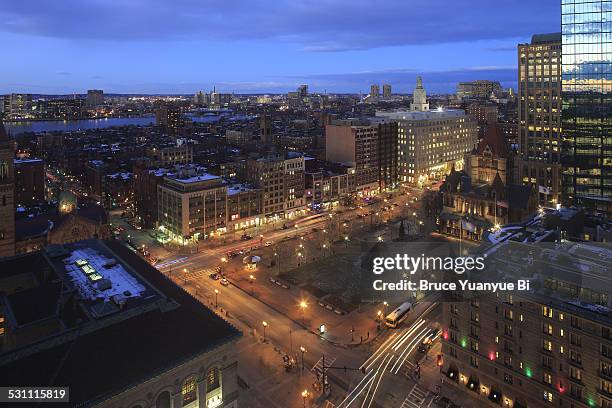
{"x": 64, "y": 73}
{"x": 316, "y": 25}
{"x": 96, "y": 77}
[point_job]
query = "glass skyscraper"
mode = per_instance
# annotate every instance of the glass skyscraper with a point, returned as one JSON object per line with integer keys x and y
{"x": 587, "y": 102}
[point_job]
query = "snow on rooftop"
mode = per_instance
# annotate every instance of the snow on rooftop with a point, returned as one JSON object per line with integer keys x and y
{"x": 195, "y": 179}
{"x": 99, "y": 277}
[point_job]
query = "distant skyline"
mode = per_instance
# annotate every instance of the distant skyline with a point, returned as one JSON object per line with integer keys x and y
{"x": 182, "y": 46}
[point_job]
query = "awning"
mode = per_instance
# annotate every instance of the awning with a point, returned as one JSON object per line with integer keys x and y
{"x": 453, "y": 374}
{"x": 474, "y": 385}
{"x": 449, "y": 216}
{"x": 495, "y": 395}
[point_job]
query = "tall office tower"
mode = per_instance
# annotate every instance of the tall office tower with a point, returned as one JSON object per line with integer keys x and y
{"x": 539, "y": 114}
{"x": 302, "y": 91}
{"x": 201, "y": 98}
{"x": 481, "y": 89}
{"x": 587, "y": 103}
{"x": 374, "y": 91}
{"x": 419, "y": 98}
{"x": 7, "y": 195}
{"x": 95, "y": 97}
{"x": 386, "y": 91}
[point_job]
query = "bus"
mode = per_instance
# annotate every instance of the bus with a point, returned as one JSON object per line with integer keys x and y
{"x": 398, "y": 315}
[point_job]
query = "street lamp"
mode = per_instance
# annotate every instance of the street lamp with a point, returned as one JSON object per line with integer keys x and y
{"x": 223, "y": 259}
{"x": 304, "y": 396}
{"x": 216, "y": 297}
{"x": 303, "y": 350}
{"x": 264, "y": 324}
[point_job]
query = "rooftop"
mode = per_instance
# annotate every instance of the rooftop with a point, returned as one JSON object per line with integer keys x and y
{"x": 426, "y": 115}
{"x": 118, "y": 336}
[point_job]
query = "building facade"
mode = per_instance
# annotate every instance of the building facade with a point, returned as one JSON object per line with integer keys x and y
{"x": 29, "y": 181}
{"x": 356, "y": 143}
{"x": 192, "y": 207}
{"x": 539, "y": 114}
{"x": 587, "y": 103}
{"x": 7, "y": 195}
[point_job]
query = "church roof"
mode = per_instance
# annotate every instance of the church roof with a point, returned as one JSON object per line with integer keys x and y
{"x": 494, "y": 138}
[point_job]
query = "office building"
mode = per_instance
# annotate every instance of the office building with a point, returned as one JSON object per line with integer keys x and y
{"x": 539, "y": 115}
{"x": 355, "y": 143}
{"x": 29, "y": 181}
{"x": 191, "y": 206}
{"x": 481, "y": 89}
{"x": 95, "y": 317}
{"x": 551, "y": 346}
{"x": 171, "y": 155}
{"x": 431, "y": 142}
{"x": 7, "y": 195}
{"x": 587, "y": 104}
{"x": 387, "y": 91}
{"x": 374, "y": 91}
{"x": 201, "y": 99}
{"x": 95, "y": 97}
{"x": 18, "y": 106}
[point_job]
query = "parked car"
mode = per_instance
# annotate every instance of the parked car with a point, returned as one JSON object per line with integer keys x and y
{"x": 268, "y": 243}
{"x": 224, "y": 282}
{"x": 214, "y": 276}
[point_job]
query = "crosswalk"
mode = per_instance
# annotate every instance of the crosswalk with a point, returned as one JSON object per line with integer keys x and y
{"x": 317, "y": 369}
{"x": 417, "y": 397}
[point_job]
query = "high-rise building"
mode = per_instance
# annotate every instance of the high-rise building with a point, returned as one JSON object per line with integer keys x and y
{"x": 430, "y": 142}
{"x": 386, "y": 91}
{"x": 17, "y": 106}
{"x": 7, "y": 195}
{"x": 355, "y": 143}
{"x": 374, "y": 91}
{"x": 539, "y": 115}
{"x": 95, "y": 97}
{"x": 419, "y": 98}
{"x": 302, "y": 91}
{"x": 587, "y": 103}
{"x": 201, "y": 99}
{"x": 170, "y": 118}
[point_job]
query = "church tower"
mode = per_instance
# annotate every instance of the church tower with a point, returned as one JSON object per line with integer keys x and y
{"x": 7, "y": 195}
{"x": 419, "y": 98}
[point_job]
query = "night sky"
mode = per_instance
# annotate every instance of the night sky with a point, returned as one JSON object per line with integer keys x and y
{"x": 258, "y": 46}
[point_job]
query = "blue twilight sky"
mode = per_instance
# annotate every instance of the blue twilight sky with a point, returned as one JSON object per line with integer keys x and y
{"x": 258, "y": 46}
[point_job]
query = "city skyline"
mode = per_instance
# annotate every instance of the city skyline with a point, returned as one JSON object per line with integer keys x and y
{"x": 336, "y": 47}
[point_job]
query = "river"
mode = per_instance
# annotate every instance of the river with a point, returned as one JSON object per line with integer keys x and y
{"x": 15, "y": 128}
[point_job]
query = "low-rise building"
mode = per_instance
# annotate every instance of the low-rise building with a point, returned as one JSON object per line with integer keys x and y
{"x": 29, "y": 181}
{"x": 72, "y": 316}
{"x": 191, "y": 206}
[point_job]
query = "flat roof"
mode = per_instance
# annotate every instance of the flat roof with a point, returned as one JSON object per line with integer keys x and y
{"x": 426, "y": 115}
{"x": 167, "y": 328}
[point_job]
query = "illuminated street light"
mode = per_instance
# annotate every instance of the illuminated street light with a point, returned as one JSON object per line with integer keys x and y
{"x": 216, "y": 297}
{"x": 264, "y": 324}
{"x": 223, "y": 259}
{"x": 380, "y": 239}
{"x": 304, "y": 396}
{"x": 303, "y": 350}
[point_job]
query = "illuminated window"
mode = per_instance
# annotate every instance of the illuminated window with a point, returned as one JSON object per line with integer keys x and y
{"x": 189, "y": 390}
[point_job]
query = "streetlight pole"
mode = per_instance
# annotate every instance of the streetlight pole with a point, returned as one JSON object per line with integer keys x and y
{"x": 303, "y": 350}
{"x": 264, "y": 324}
{"x": 216, "y": 297}
{"x": 303, "y": 306}
{"x": 304, "y": 396}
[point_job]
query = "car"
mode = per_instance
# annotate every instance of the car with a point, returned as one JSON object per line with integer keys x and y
{"x": 268, "y": 243}
{"x": 214, "y": 276}
{"x": 285, "y": 226}
{"x": 224, "y": 282}
{"x": 428, "y": 340}
{"x": 245, "y": 237}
